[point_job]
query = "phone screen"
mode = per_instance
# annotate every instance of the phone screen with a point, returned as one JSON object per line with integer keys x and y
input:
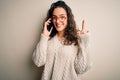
{"x": 49, "y": 26}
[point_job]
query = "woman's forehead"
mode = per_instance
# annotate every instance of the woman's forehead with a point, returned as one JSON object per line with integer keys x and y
{"x": 59, "y": 11}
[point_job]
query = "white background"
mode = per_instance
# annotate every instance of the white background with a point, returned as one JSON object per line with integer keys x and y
{"x": 20, "y": 26}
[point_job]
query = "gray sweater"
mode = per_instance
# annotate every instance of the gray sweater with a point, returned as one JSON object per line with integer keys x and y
{"x": 61, "y": 62}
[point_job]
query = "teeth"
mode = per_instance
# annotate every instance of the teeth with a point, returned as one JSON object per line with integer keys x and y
{"x": 58, "y": 25}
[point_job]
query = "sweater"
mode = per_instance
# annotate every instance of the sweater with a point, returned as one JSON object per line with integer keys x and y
{"x": 60, "y": 61}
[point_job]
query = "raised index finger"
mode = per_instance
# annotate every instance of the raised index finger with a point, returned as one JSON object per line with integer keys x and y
{"x": 83, "y": 24}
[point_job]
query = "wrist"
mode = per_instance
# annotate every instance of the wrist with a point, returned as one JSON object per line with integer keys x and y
{"x": 46, "y": 35}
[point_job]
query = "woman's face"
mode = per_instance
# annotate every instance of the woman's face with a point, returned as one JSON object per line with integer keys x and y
{"x": 59, "y": 19}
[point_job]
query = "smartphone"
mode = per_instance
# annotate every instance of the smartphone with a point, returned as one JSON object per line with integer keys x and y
{"x": 50, "y": 26}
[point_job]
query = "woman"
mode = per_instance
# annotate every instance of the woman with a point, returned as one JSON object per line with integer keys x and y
{"x": 62, "y": 49}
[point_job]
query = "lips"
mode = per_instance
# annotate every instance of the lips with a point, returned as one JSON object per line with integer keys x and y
{"x": 58, "y": 25}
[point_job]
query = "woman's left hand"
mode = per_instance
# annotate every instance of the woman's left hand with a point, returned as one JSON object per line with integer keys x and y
{"x": 83, "y": 30}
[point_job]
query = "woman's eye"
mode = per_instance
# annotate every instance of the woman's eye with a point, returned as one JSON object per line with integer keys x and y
{"x": 63, "y": 17}
{"x": 53, "y": 18}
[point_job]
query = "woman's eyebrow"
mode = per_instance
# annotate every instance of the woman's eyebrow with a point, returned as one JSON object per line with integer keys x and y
{"x": 59, "y": 15}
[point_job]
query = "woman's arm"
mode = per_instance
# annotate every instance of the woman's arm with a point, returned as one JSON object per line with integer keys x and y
{"x": 39, "y": 54}
{"x": 82, "y": 62}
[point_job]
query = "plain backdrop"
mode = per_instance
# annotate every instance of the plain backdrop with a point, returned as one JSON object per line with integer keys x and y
{"x": 20, "y": 27}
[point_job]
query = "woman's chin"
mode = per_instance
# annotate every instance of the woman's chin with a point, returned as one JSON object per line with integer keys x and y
{"x": 59, "y": 30}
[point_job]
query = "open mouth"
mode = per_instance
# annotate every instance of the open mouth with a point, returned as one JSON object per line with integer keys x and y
{"x": 58, "y": 25}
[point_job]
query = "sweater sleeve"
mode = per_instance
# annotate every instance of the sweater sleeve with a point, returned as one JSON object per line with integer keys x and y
{"x": 82, "y": 62}
{"x": 39, "y": 54}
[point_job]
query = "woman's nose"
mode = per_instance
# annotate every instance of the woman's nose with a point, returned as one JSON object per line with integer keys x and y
{"x": 57, "y": 20}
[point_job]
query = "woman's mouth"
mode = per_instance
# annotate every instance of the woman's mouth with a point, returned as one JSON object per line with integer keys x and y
{"x": 58, "y": 25}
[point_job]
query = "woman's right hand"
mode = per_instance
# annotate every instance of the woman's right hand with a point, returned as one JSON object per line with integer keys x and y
{"x": 45, "y": 30}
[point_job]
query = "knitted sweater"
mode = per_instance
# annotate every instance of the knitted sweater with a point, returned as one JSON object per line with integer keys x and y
{"x": 61, "y": 62}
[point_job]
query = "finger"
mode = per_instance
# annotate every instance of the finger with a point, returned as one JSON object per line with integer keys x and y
{"x": 47, "y": 22}
{"x": 83, "y": 24}
{"x": 51, "y": 29}
{"x": 45, "y": 25}
{"x": 78, "y": 32}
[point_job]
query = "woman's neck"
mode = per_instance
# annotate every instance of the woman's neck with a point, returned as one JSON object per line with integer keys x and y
{"x": 60, "y": 35}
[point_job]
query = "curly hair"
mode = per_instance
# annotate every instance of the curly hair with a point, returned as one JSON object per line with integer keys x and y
{"x": 70, "y": 34}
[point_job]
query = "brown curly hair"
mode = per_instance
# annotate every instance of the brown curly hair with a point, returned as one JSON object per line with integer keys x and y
{"x": 70, "y": 34}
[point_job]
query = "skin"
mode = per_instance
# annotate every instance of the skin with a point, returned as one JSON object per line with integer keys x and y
{"x": 59, "y": 24}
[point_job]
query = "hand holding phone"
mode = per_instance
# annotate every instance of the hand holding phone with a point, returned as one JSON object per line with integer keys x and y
{"x": 50, "y": 26}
